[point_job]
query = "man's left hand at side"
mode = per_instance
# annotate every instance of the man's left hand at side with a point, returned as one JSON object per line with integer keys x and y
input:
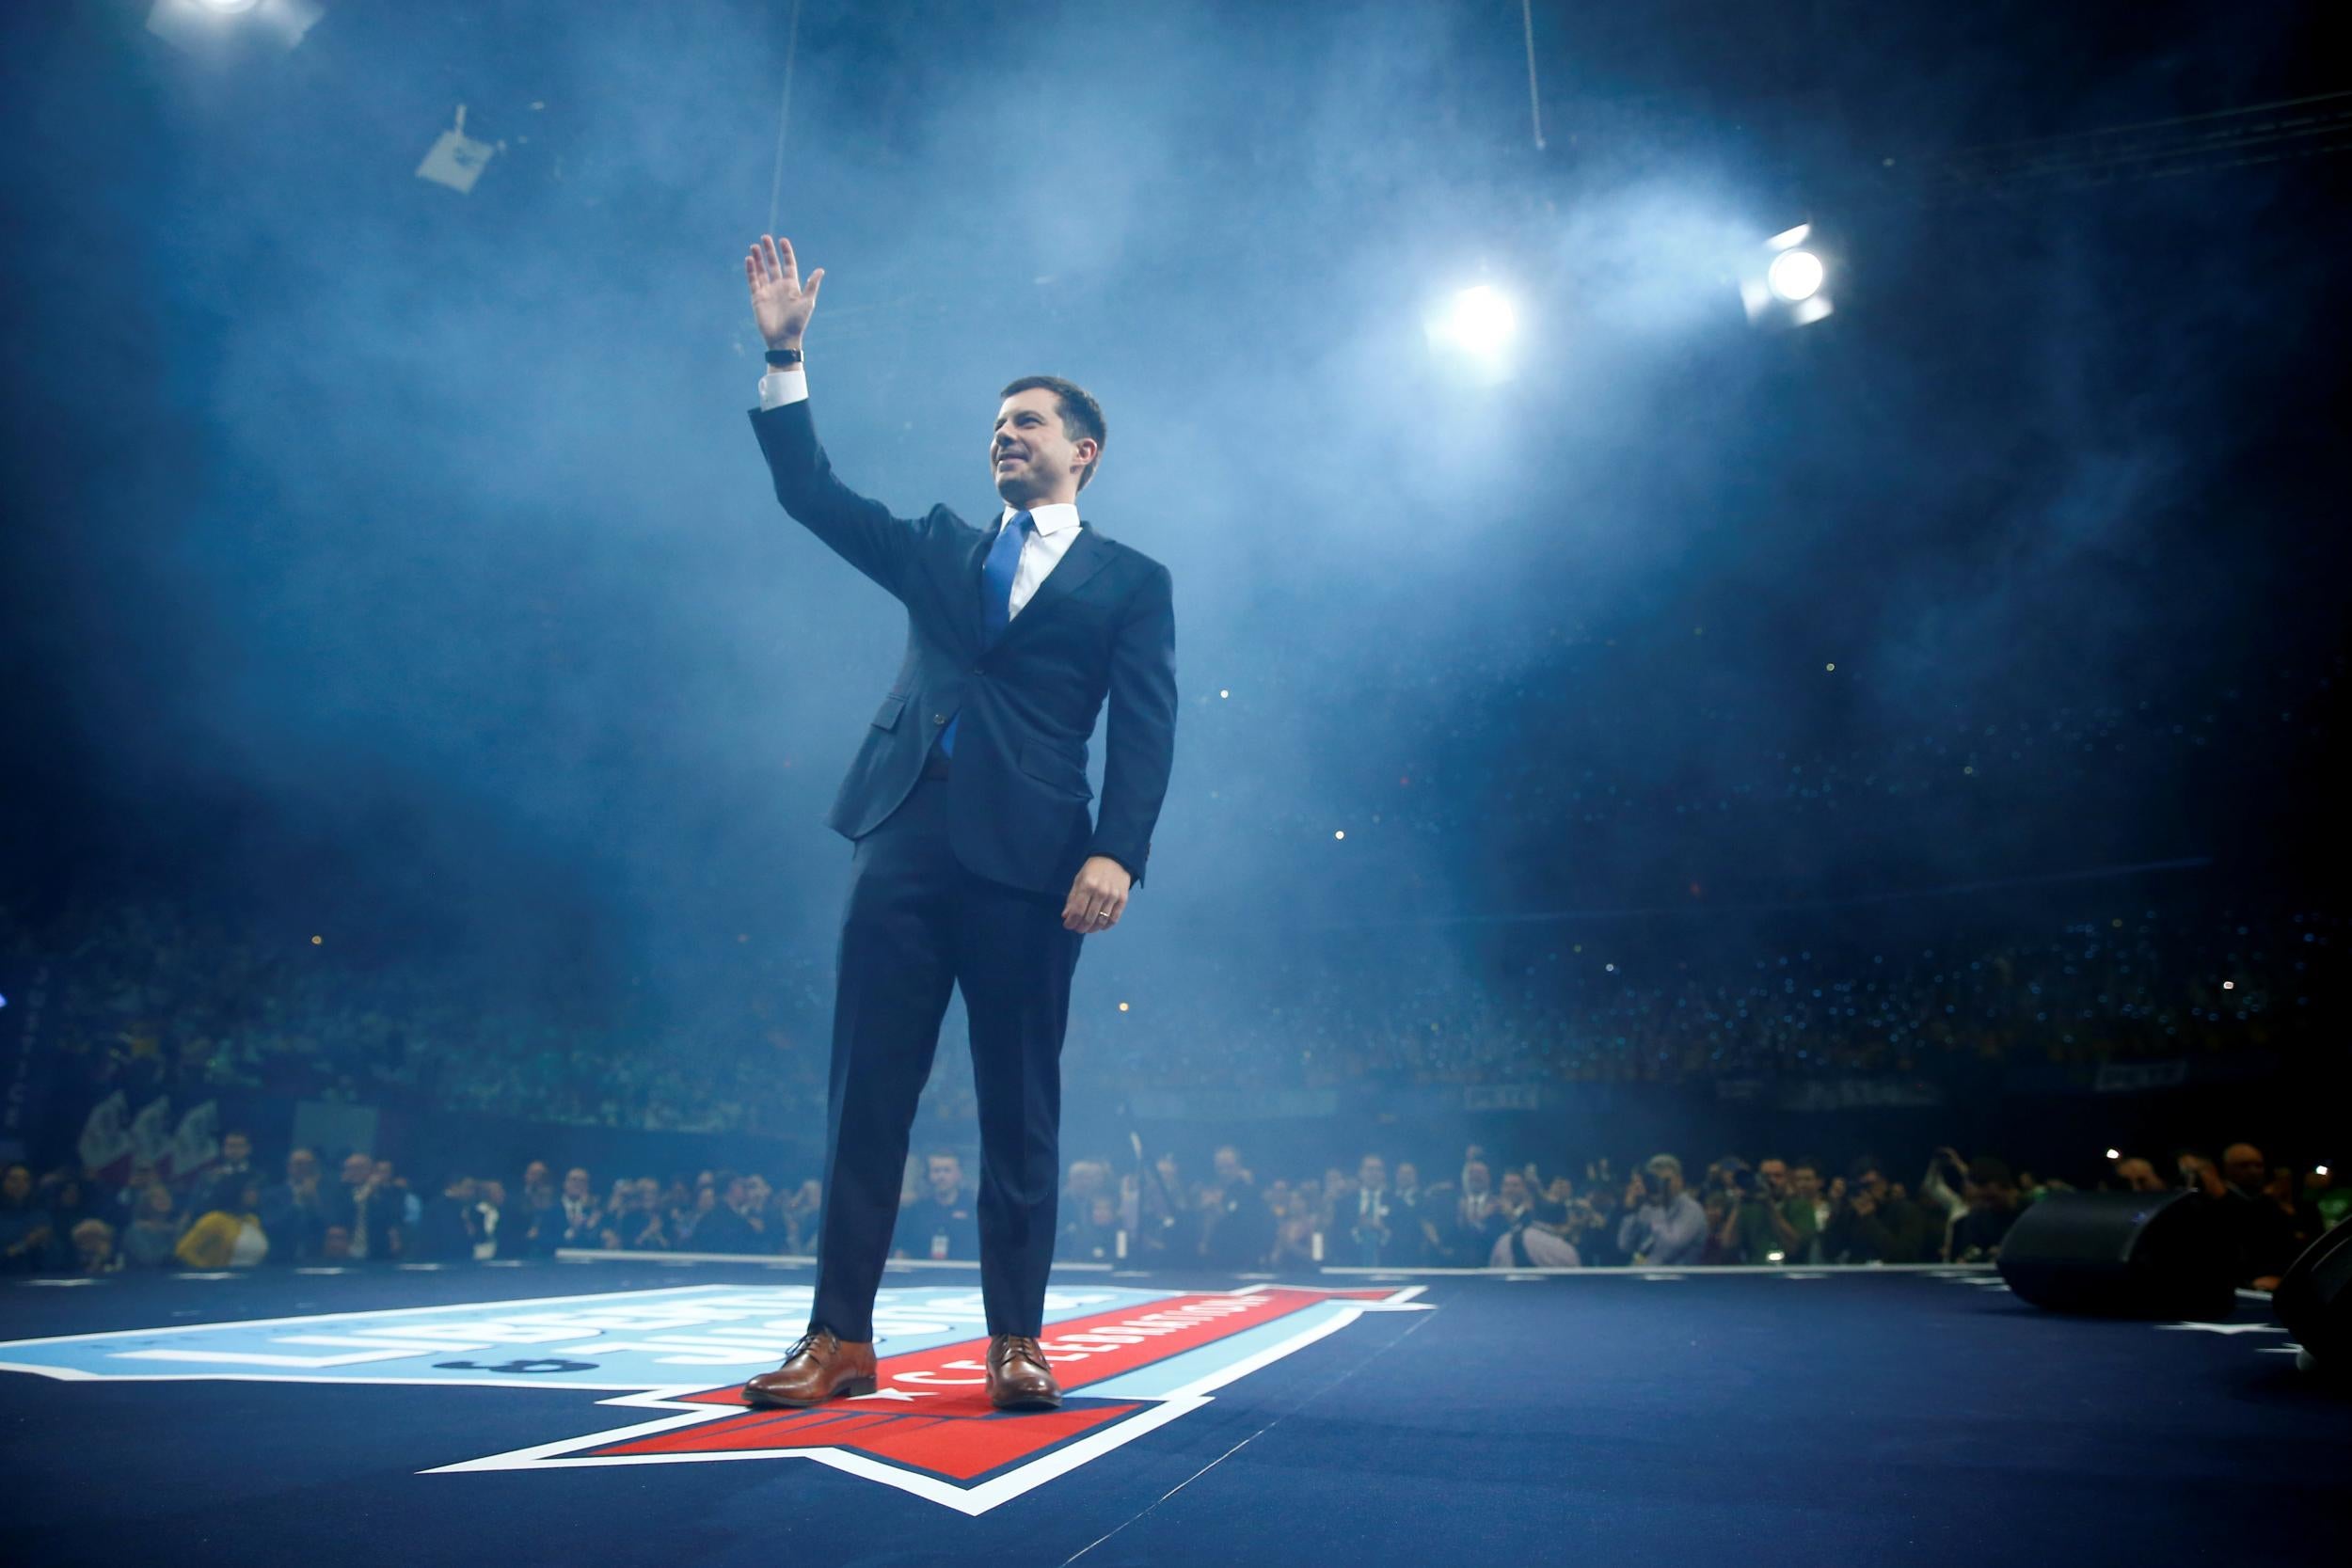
{"x": 1098, "y": 897}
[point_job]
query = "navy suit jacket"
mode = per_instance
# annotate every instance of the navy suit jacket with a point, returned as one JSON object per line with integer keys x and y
{"x": 1102, "y": 626}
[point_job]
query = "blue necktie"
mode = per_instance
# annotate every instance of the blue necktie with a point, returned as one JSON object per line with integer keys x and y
{"x": 997, "y": 573}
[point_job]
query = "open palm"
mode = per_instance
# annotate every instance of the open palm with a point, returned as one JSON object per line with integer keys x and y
{"x": 780, "y": 304}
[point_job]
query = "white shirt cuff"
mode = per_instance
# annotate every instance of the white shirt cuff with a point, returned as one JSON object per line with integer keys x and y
{"x": 778, "y": 387}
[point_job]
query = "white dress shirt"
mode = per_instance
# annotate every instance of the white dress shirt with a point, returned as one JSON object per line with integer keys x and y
{"x": 1056, "y": 525}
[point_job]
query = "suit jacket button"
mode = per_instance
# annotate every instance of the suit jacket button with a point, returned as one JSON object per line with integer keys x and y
{"x": 939, "y": 718}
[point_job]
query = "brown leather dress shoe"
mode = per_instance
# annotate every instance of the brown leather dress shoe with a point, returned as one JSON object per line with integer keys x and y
{"x": 1018, "y": 1377}
{"x": 819, "y": 1367}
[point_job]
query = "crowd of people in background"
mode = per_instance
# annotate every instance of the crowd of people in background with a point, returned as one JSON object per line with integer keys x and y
{"x": 1486, "y": 1213}
{"x": 153, "y": 1001}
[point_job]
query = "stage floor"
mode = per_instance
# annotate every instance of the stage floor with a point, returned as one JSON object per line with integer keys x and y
{"x": 584, "y": 1413}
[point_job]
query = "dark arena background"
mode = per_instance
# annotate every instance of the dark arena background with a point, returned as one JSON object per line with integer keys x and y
{"x": 1756, "y": 583}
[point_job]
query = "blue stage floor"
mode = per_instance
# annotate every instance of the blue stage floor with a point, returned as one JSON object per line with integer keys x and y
{"x": 581, "y": 1414}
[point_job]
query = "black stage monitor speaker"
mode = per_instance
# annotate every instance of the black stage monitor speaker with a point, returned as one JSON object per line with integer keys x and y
{"x": 2314, "y": 1301}
{"x": 2133, "y": 1255}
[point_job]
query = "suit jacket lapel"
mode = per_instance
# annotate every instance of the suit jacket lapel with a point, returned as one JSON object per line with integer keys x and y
{"x": 1086, "y": 556}
{"x": 974, "y": 559}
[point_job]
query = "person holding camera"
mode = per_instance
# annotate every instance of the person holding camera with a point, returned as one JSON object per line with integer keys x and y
{"x": 1756, "y": 1228}
{"x": 1663, "y": 1227}
{"x": 1875, "y": 1223}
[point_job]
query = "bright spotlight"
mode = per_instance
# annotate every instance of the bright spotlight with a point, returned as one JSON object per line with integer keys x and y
{"x": 210, "y": 26}
{"x": 2115, "y": 1154}
{"x": 1471, "y": 334}
{"x": 1794, "y": 275}
{"x": 1784, "y": 281}
{"x": 1481, "y": 320}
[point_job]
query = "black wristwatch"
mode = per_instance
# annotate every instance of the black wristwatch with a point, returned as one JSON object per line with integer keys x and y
{"x": 784, "y": 358}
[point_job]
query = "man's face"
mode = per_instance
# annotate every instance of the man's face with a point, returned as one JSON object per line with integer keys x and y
{"x": 1665, "y": 1183}
{"x": 647, "y": 1192}
{"x": 1806, "y": 1182}
{"x": 756, "y": 1192}
{"x": 357, "y": 1170}
{"x": 1775, "y": 1178}
{"x": 947, "y": 1174}
{"x": 1030, "y": 454}
{"x": 576, "y": 1182}
{"x": 2139, "y": 1175}
{"x": 2243, "y": 1168}
{"x": 302, "y": 1166}
{"x": 384, "y": 1173}
{"x": 1373, "y": 1172}
{"x": 236, "y": 1149}
{"x": 17, "y": 1184}
{"x": 1476, "y": 1179}
{"x": 536, "y": 1174}
{"x": 1874, "y": 1183}
{"x": 1513, "y": 1189}
{"x": 1168, "y": 1171}
{"x": 494, "y": 1194}
{"x": 1408, "y": 1178}
{"x": 1228, "y": 1165}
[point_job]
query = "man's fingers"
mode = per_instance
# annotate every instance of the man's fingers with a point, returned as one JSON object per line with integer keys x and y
{"x": 816, "y": 281}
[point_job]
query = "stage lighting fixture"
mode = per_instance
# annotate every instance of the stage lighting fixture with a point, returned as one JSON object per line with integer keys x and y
{"x": 1785, "y": 281}
{"x": 210, "y": 26}
{"x": 1794, "y": 275}
{"x": 455, "y": 159}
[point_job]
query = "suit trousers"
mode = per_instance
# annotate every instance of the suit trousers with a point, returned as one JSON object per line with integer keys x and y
{"x": 917, "y": 926}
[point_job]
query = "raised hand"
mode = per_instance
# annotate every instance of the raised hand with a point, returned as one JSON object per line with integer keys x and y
{"x": 780, "y": 304}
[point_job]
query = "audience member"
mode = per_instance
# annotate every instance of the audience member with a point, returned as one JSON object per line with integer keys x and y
{"x": 26, "y": 1231}
{"x": 1807, "y": 1211}
{"x": 1876, "y": 1222}
{"x": 94, "y": 1247}
{"x": 364, "y": 1210}
{"x": 1236, "y": 1225}
{"x": 1368, "y": 1223}
{"x": 294, "y": 1212}
{"x": 1663, "y": 1225}
{"x": 447, "y": 1232}
{"x": 153, "y": 1234}
{"x": 1478, "y": 1220}
{"x": 939, "y": 1224}
{"x": 228, "y": 1236}
{"x": 1992, "y": 1206}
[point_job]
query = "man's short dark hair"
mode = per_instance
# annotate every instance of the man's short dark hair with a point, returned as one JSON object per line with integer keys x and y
{"x": 1081, "y": 415}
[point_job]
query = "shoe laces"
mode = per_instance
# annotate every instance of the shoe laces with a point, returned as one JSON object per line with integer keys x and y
{"x": 1021, "y": 1347}
{"x": 810, "y": 1343}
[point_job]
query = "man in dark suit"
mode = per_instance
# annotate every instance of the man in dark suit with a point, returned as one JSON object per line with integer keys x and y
{"x": 976, "y": 863}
